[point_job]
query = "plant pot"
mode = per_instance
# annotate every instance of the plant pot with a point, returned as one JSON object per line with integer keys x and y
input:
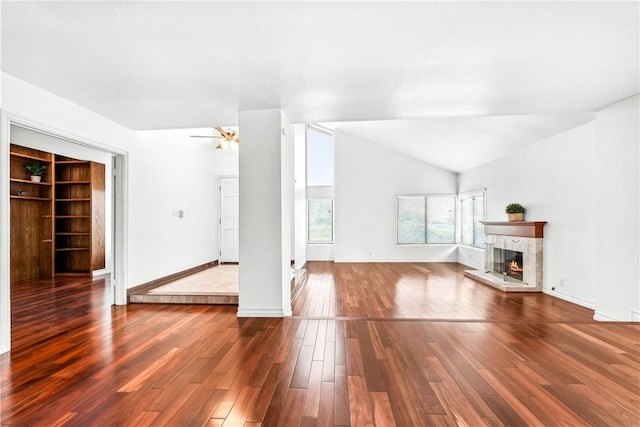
{"x": 516, "y": 217}
{"x": 36, "y": 178}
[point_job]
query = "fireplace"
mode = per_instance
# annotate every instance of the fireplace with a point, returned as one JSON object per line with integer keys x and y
{"x": 508, "y": 263}
{"x": 512, "y": 256}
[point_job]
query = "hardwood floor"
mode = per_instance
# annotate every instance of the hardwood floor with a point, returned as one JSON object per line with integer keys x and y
{"x": 369, "y": 344}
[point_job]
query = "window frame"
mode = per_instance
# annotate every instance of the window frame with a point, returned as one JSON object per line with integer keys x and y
{"x": 425, "y": 197}
{"x": 333, "y": 220}
{"x": 470, "y": 195}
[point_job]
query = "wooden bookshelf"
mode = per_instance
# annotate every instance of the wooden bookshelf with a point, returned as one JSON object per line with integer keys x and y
{"x": 31, "y": 207}
{"x": 58, "y": 224}
{"x": 79, "y": 216}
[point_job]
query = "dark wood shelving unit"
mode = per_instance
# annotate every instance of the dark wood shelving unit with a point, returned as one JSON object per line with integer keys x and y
{"x": 31, "y": 216}
{"x": 79, "y": 216}
{"x": 57, "y": 225}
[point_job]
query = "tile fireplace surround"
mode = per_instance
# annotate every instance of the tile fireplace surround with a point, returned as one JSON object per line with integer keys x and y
{"x": 520, "y": 236}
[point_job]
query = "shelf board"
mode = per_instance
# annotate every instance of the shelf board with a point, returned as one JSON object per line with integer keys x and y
{"x": 72, "y": 234}
{"x": 73, "y": 200}
{"x": 47, "y": 241}
{"x": 71, "y": 249}
{"x": 39, "y": 199}
{"x": 72, "y": 182}
{"x": 28, "y": 181}
{"x": 72, "y": 216}
{"x": 26, "y": 156}
{"x": 71, "y": 162}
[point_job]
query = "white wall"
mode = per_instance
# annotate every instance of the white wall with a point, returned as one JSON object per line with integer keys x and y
{"x": 266, "y": 196}
{"x": 368, "y": 178}
{"x": 172, "y": 172}
{"x": 554, "y": 180}
{"x": 616, "y": 211}
{"x": 227, "y": 162}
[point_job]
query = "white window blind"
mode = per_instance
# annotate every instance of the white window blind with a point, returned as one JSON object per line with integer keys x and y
{"x": 426, "y": 219}
{"x": 472, "y": 211}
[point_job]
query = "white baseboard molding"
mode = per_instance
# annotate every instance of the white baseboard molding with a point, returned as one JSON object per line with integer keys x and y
{"x": 635, "y": 315}
{"x": 263, "y": 312}
{"x": 601, "y": 317}
{"x": 470, "y": 264}
{"x": 100, "y": 273}
{"x": 356, "y": 260}
{"x": 570, "y": 298}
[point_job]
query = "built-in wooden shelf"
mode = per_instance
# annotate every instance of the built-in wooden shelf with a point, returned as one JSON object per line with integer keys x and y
{"x": 27, "y": 181}
{"x": 515, "y": 228}
{"x": 72, "y": 182}
{"x": 71, "y": 162}
{"x": 39, "y": 199}
{"x": 79, "y": 225}
{"x": 30, "y": 157}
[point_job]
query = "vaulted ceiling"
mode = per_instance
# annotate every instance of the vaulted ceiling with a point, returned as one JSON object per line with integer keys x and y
{"x": 532, "y": 67}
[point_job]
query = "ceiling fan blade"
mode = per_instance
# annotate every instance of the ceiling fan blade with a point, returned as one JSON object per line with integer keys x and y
{"x": 222, "y": 132}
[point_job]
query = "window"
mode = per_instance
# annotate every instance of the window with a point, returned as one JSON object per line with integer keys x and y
{"x": 320, "y": 157}
{"x": 426, "y": 219}
{"x": 320, "y": 220}
{"x": 471, "y": 213}
{"x": 320, "y": 185}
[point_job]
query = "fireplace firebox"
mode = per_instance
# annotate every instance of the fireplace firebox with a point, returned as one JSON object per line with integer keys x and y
{"x": 508, "y": 263}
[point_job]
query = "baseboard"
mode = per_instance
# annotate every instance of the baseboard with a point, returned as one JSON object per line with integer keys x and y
{"x": 263, "y": 312}
{"x": 575, "y": 300}
{"x": 171, "y": 278}
{"x": 469, "y": 264}
{"x": 601, "y": 317}
{"x": 101, "y": 272}
{"x": 395, "y": 260}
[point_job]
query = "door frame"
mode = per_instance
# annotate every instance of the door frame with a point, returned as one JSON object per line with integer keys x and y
{"x": 219, "y": 209}
{"x": 119, "y": 215}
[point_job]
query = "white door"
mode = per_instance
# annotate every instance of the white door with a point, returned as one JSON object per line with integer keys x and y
{"x": 229, "y": 224}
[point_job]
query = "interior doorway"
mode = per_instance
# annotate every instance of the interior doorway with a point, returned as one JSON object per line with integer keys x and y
{"x": 54, "y": 141}
{"x": 228, "y": 221}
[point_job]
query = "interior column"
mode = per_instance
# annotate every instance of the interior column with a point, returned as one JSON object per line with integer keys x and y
{"x": 266, "y": 199}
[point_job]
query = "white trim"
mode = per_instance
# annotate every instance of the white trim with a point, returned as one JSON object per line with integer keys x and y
{"x": 469, "y": 264}
{"x": 601, "y": 317}
{"x": 635, "y": 316}
{"x": 360, "y": 260}
{"x": 100, "y": 273}
{"x": 5, "y": 244}
{"x": 7, "y": 119}
{"x": 263, "y": 312}
{"x": 570, "y": 298}
{"x": 219, "y": 215}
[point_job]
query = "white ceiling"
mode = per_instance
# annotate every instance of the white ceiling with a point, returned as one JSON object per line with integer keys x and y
{"x": 159, "y": 65}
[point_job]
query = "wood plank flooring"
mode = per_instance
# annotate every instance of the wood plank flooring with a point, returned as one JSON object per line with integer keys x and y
{"x": 369, "y": 344}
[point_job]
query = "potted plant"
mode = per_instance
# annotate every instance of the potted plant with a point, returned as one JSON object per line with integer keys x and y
{"x": 515, "y": 212}
{"x": 35, "y": 170}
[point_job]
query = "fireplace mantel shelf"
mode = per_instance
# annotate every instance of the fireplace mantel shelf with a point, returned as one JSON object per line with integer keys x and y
{"x": 515, "y": 228}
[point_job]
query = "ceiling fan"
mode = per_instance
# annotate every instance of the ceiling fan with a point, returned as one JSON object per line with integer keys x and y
{"x": 230, "y": 138}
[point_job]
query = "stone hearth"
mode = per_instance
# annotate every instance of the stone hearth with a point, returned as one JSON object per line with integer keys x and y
{"x": 523, "y": 238}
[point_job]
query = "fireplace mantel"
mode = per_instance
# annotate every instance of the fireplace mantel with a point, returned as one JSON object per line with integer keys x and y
{"x": 515, "y": 228}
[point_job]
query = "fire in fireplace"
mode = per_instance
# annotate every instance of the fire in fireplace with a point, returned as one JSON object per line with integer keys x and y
{"x": 508, "y": 263}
